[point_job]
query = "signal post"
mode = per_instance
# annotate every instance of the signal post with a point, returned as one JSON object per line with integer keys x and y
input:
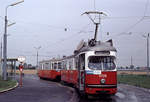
{"x": 21, "y": 59}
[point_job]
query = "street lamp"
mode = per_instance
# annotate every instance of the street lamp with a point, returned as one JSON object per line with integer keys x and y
{"x": 147, "y": 37}
{"x": 5, "y": 41}
{"x": 37, "y": 48}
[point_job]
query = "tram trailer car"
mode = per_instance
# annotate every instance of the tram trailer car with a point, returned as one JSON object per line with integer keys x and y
{"x": 92, "y": 69}
{"x": 50, "y": 69}
{"x": 68, "y": 71}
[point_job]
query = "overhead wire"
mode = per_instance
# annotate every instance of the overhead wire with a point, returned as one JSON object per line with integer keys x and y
{"x": 71, "y": 36}
{"x": 2, "y": 17}
{"x": 131, "y": 27}
{"x": 48, "y": 25}
{"x": 33, "y": 55}
{"x": 135, "y": 24}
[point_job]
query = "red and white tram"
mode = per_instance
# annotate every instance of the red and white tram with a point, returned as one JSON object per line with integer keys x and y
{"x": 97, "y": 69}
{"x": 92, "y": 69}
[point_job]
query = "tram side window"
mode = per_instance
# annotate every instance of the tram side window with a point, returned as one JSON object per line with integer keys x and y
{"x": 55, "y": 65}
{"x": 76, "y": 62}
{"x": 46, "y": 65}
{"x": 73, "y": 64}
{"x": 59, "y": 65}
{"x": 81, "y": 62}
{"x": 62, "y": 65}
{"x": 52, "y": 65}
{"x": 40, "y": 67}
{"x": 65, "y": 65}
{"x": 70, "y": 64}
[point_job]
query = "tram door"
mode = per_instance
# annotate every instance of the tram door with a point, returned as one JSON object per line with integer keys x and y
{"x": 81, "y": 70}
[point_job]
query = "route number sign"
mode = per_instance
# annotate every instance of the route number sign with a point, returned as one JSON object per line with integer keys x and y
{"x": 21, "y": 59}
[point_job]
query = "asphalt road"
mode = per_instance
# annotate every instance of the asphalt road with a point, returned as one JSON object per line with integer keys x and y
{"x": 36, "y": 90}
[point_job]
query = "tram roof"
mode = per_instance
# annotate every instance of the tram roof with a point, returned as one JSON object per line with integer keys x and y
{"x": 100, "y": 46}
{"x": 51, "y": 60}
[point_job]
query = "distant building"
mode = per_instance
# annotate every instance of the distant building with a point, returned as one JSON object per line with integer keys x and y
{"x": 29, "y": 66}
{"x": 131, "y": 67}
{"x": 25, "y": 65}
{"x": 143, "y": 68}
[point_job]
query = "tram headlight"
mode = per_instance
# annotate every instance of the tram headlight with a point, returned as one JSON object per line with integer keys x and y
{"x": 103, "y": 81}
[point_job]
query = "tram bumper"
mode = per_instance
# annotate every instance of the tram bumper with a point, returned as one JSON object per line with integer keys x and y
{"x": 101, "y": 89}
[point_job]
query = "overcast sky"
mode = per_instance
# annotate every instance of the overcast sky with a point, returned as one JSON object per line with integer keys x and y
{"x": 42, "y": 23}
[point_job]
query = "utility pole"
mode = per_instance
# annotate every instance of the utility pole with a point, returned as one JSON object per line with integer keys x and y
{"x": 1, "y": 56}
{"x": 131, "y": 61}
{"x": 5, "y": 48}
{"x": 148, "y": 54}
{"x": 147, "y": 37}
{"x": 5, "y": 41}
{"x": 37, "y": 60}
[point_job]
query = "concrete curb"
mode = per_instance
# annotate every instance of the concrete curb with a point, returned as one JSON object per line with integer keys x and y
{"x": 10, "y": 88}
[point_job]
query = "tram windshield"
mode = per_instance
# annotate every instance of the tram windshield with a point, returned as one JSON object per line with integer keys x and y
{"x": 101, "y": 62}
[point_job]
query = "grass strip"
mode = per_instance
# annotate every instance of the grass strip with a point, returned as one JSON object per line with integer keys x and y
{"x": 136, "y": 80}
{"x": 6, "y": 84}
